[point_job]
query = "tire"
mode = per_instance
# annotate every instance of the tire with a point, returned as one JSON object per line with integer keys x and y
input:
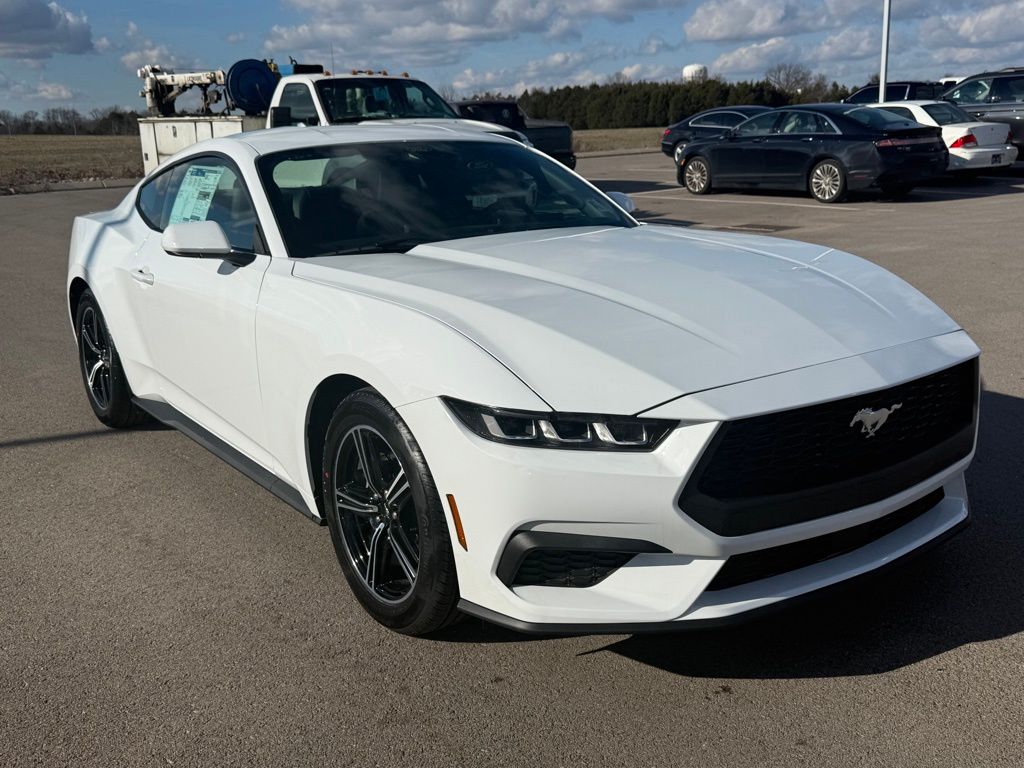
{"x": 677, "y": 152}
{"x": 106, "y": 385}
{"x": 387, "y": 525}
{"x": 696, "y": 176}
{"x": 827, "y": 182}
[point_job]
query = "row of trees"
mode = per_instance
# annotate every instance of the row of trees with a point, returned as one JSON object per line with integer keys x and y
{"x": 102, "y": 121}
{"x": 645, "y": 104}
{"x": 616, "y": 104}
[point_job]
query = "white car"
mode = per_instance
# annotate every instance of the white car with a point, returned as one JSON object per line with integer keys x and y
{"x": 973, "y": 145}
{"x": 506, "y": 397}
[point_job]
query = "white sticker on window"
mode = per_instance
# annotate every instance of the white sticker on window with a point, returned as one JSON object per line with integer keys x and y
{"x": 192, "y": 202}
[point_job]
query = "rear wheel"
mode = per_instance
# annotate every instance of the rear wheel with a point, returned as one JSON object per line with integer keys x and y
{"x": 104, "y": 379}
{"x": 827, "y": 182}
{"x": 696, "y": 176}
{"x": 387, "y": 524}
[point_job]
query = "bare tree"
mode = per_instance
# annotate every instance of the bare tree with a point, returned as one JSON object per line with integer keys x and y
{"x": 789, "y": 78}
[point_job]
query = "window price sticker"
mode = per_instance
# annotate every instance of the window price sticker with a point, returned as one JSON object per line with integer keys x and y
{"x": 192, "y": 202}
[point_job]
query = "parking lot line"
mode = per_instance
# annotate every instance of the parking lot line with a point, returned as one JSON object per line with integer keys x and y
{"x": 660, "y": 195}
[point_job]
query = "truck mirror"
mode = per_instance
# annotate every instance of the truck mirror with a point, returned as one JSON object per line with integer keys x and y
{"x": 280, "y": 116}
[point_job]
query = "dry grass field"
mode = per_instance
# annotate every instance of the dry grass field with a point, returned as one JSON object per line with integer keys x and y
{"x": 49, "y": 159}
{"x": 46, "y": 159}
{"x": 618, "y": 138}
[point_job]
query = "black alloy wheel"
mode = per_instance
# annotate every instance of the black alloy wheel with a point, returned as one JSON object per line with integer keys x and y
{"x": 105, "y": 382}
{"x": 387, "y": 523}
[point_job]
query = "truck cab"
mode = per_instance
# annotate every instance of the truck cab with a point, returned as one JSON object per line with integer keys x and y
{"x": 365, "y": 96}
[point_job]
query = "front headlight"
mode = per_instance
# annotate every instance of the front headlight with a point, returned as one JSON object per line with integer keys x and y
{"x": 579, "y": 431}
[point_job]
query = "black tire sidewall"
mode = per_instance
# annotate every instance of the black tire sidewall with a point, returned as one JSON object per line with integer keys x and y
{"x": 120, "y": 410}
{"x": 435, "y": 593}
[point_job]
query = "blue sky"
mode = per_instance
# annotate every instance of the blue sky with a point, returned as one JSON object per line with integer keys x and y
{"x": 84, "y": 53}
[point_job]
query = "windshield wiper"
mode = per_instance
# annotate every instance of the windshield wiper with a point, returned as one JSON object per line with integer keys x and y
{"x": 394, "y": 245}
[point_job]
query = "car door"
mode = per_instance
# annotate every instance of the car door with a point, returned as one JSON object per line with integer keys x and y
{"x": 789, "y": 149}
{"x": 197, "y": 315}
{"x": 739, "y": 158}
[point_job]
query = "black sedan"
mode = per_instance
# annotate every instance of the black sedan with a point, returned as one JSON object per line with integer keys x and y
{"x": 826, "y": 149}
{"x": 704, "y": 125}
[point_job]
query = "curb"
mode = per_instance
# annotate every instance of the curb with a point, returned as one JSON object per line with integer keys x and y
{"x": 618, "y": 152}
{"x": 67, "y": 186}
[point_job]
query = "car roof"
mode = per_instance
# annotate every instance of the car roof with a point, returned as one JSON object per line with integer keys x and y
{"x": 908, "y": 102}
{"x": 464, "y": 102}
{"x": 741, "y": 108}
{"x": 312, "y": 77}
{"x": 901, "y": 82}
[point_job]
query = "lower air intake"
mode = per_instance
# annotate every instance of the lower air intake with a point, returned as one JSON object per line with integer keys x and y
{"x": 568, "y": 568}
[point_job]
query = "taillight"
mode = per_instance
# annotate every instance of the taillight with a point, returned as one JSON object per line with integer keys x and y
{"x": 667, "y": 132}
{"x": 1009, "y": 136}
{"x": 964, "y": 141}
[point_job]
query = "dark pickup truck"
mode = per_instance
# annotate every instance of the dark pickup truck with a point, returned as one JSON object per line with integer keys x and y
{"x": 549, "y": 136}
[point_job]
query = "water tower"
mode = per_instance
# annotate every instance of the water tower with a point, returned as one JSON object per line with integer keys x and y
{"x": 694, "y": 72}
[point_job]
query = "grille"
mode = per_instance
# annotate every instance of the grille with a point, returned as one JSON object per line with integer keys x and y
{"x": 781, "y": 468}
{"x": 752, "y": 566}
{"x": 568, "y": 568}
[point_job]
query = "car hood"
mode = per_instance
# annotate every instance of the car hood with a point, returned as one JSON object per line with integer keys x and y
{"x": 619, "y": 320}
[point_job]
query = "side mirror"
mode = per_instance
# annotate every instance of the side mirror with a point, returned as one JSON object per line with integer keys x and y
{"x": 202, "y": 240}
{"x": 280, "y": 117}
{"x": 624, "y": 201}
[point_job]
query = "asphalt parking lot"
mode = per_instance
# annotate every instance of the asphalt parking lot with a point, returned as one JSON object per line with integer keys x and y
{"x": 158, "y": 608}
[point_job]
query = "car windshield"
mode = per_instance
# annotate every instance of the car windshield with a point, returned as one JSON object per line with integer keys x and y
{"x": 877, "y": 118}
{"x": 390, "y": 196}
{"x": 501, "y": 113}
{"x": 354, "y": 99}
{"x": 947, "y": 114}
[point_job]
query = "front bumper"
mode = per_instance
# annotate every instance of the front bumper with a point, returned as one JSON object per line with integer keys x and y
{"x": 503, "y": 490}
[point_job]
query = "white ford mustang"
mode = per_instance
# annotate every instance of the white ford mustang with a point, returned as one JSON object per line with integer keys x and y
{"x": 506, "y": 397}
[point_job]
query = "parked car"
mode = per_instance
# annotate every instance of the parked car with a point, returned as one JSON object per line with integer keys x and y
{"x": 505, "y": 397}
{"x": 995, "y": 97}
{"x": 901, "y": 91}
{"x": 552, "y": 137}
{"x": 704, "y": 125}
{"x": 827, "y": 149}
{"x": 972, "y": 145}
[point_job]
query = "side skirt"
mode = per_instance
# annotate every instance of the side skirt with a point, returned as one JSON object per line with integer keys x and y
{"x": 172, "y": 417}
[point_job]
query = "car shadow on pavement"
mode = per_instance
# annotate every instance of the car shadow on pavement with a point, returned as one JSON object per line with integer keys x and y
{"x": 968, "y": 590}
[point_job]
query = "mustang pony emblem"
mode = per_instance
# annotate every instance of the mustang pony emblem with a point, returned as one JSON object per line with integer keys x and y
{"x": 871, "y": 420}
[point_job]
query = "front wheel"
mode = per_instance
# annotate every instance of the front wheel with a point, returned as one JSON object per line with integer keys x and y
{"x": 827, "y": 182}
{"x": 678, "y": 152}
{"x": 386, "y": 520}
{"x": 696, "y": 176}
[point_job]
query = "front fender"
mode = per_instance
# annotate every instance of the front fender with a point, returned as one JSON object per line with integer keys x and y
{"x": 307, "y": 332}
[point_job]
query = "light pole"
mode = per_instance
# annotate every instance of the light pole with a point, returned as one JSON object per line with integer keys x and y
{"x": 883, "y": 71}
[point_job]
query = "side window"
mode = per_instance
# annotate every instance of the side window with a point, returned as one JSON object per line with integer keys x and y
{"x": 864, "y": 95}
{"x": 718, "y": 120}
{"x": 825, "y": 125}
{"x": 730, "y": 119}
{"x": 971, "y": 92}
{"x": 798, "y": 122}
{"x": 152, "y": 198}
{"x": 211, "y": 190}
{"x": 758, "y": 126}
{"x": 1008, "y": 89}
{"x": 902, "y": 112}
{"x": 300, "y": 100}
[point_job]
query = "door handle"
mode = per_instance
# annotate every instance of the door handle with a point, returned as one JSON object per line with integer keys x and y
{"x": 143, "y": 276}
{"x": 808, "y": 138}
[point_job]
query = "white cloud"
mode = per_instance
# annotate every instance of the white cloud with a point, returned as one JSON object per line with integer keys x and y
{"x": 235, "y": 37}
{"x": 997, "y": 23}
{"x": 757, "y": 57}
{"x": 33, "y": 29}
{"x": 431, "y": 33}
{"x": 53, "y": 92}
{"x": 143, "y": 51}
